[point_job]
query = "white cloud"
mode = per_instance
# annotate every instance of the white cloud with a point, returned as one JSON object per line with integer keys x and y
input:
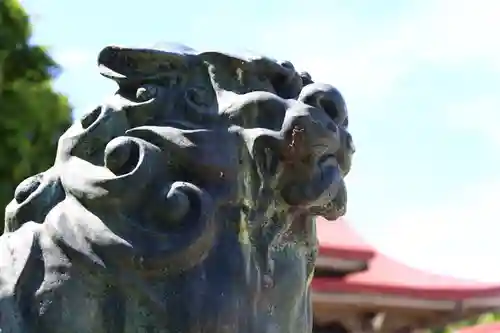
{"x": 480, "y": 116}
{"x": 447, "y": 32}
{"x": 73, "y": 58}
{"x": 367, "y": 61}
{"x": 458, "y": 237}
{"x": 361, "y": 69}
{"x": 453, "y": 32}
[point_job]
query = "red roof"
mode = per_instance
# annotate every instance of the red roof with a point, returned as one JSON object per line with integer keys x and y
{"x": 485, "y": 328}
{"x": 338, "y": 240}
{"x": 385, "y": 275}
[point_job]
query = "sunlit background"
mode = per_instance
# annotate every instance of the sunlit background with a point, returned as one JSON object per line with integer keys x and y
{"x": 422, "y": 82}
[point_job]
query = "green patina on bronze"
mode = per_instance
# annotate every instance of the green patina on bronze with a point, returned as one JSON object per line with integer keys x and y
{"x": 183, "y": 203}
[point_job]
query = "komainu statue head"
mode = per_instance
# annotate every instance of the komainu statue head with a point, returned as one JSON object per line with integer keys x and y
{"x": 185, "y": 202}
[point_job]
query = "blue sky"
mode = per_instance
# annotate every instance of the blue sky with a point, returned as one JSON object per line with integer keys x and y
{"x": 422, "y": 83}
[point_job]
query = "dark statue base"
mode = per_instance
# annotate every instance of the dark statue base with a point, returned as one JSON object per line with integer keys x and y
{"x": 184, "y": 203}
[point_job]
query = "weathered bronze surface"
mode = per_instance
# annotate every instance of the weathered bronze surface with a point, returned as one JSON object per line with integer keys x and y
{"x": 184, "y": 203}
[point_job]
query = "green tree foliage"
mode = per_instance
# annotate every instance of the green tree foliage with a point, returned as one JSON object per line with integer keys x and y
{"x": 33, "y": 115}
